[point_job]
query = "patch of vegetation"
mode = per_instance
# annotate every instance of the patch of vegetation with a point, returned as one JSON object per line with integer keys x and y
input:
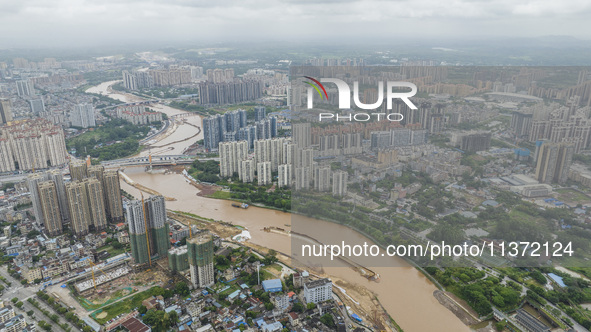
{"x": 205, "y": 171}
{"x": 118, "y": 138}
{"x": 129, "y": 303}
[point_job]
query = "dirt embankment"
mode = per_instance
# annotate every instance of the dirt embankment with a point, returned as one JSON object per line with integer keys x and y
{"x": 458, "y": 307}
{"x": 223, "y": 230}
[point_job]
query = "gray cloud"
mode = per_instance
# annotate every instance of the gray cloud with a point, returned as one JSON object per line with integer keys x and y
{"x": 83, "y": 22}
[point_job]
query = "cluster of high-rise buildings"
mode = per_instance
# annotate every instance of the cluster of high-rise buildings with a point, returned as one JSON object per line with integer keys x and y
{"x": 232, "y": 126}
{"x": 292, "y": 162}
{"x": 398, "y": 137}
{"x": 234, "y": 92}
{"x": 31, "y": 144}
{"x": 220, "y": 75}
{"x": 197, "y": 256}
{"x": 156, "y": 77}
{"x": 149, "y": 239}
{"x": 138, "y": 114}
{"x": 137, "y": 80}
{"x": 87, "y": 202}
{"x": 558, "y": 124}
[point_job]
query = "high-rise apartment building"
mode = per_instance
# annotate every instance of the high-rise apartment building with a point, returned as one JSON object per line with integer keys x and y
{"x": 322, "y": 178}
{"x": 521, "y": 123}
{"x": 249, "y": 134}
{"x": 285, "y": 175}
{"x": 157, "y": 223}
{"x": 112, "y": 192}
{"x": 78, "y": 207}
{"x": 246, "y": 171}
{"x": 200, "y": 253}
{"x": 302, "y": 178}
{"x": 554, "y": 161}
{"x": 83, "y": 116}
{"x": 96, "y": 171}
{"x": 339, "y": 183}
{"x": 96, "y": 204}
{"x": 78, "y": 170}
{"x": 52, "y": 218}
{"x": 138, "y": 238}
{"x": 231, "y": 154}
{"x": 5, "y": 111}
{"x": 301, "y": 135}
{"x": 24, "y": 88}
{"x": 37, "y": 106}
{"x": 33, "y": 181}
{"x": 148, "y": 229}
{"x": 266, "y": 128}
{"x": 264, "y": 173}
{"x": 260, "y": 112}
{"x": 214, "y": 128}
{"x": 57, "y": 177}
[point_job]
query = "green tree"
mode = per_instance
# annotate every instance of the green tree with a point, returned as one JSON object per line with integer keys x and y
{"x": 297, "y": 307}
{"x": 182, "y": 289}
{"x": 327, "y": 320}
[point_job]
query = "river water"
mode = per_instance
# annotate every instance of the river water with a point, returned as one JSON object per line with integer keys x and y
{"x": 404, "y": 292}
{"x": 184, "y": 126}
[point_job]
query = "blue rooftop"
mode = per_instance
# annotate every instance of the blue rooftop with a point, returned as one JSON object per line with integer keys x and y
{"x": 272, "y": 285}
{"x": 557, "y": 279}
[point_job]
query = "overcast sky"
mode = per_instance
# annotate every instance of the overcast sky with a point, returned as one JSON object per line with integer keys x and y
{"x": 42, "y": 23}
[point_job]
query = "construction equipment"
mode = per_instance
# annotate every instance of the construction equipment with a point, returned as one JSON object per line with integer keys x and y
{"x": 92, "y": 265}
{"x": 147, "y": 230}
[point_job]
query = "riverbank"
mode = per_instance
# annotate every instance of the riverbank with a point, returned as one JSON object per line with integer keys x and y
{"x": 353, "y": 296}
{"x": 404, "y": 292}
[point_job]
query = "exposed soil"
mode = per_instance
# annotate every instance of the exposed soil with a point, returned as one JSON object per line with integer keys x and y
{"x": 457, "y": 306}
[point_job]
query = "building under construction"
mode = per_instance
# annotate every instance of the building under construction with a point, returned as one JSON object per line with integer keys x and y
{"x": 178, "y": 259}
{"x": 200, "y": 253}
{"x": 148, "y": 229}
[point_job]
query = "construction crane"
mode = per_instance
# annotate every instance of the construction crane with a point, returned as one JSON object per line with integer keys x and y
{"x": 146, "y": 225}
{"x": 92, "y": 265}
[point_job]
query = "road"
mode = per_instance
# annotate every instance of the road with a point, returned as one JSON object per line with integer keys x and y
{"x": 23, "y": 293}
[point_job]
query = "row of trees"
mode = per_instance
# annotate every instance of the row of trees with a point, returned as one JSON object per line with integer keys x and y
{"x": 68, "y": 314}
{"x": 279, "y": 198}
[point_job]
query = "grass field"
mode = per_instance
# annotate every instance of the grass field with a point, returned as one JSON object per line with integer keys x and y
{"x": 121, "y": 307}
{"x": 88, "y": 305}
{"x": 221, "y": 194}
{"x": 112, "y": 251}
{"x": 520, "y": 215}
{"x": 570, "y": 195}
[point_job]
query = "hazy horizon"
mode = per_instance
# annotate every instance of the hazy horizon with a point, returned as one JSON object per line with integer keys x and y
{"x": 69, "y": 23}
